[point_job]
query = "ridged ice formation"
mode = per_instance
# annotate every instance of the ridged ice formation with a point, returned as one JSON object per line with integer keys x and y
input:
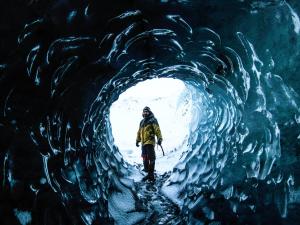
{"x": 245, "y": 125}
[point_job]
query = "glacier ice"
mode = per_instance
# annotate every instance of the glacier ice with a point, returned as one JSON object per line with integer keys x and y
{"x": 239, "y": 59}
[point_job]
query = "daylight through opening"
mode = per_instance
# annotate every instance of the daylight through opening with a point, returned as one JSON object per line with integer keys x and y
{"x": 171, "y": 103}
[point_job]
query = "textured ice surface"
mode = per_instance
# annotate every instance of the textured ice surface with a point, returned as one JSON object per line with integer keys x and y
{"x": 121, "y": 205}
{"x": 24, "y": 217}
{"x": 240, "y": 62}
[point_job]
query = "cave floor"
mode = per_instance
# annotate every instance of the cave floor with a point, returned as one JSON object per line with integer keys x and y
{"x": 161, "y": 209}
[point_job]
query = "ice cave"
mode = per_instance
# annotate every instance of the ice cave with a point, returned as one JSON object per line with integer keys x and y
{"x": 233, "y": 152}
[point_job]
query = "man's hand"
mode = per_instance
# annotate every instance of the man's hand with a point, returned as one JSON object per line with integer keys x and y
{"x": 159, "y": 141}
{"x": 137, "y": 144}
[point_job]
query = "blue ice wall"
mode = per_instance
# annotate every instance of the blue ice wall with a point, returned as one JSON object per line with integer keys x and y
{"x": 70, "y": 61}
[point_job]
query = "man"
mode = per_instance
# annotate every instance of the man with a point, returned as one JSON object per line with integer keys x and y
{"x": 148, "y": 129}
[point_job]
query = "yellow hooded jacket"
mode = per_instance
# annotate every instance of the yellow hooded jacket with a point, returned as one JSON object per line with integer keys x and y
{"x": 148, "y": 129}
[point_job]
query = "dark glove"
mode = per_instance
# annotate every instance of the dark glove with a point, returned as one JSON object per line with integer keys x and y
{"x": 137, "y": 144}
{"x": 159, "y": 141}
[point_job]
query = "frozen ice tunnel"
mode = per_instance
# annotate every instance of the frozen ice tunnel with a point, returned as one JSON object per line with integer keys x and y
{"x": 237, "y": 158}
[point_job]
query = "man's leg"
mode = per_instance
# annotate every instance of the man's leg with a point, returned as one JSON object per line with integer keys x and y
{"x": 145, "y": 159}
{"x": 151, "y": 170}
{"x": 146, "y": 164}
{"x": 151, "y": 154}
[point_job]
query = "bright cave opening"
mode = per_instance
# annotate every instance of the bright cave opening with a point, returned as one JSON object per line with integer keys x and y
{"x": 171, "y": 102}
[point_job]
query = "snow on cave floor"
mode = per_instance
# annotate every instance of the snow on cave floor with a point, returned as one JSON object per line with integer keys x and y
{"x": 161, "y": 210}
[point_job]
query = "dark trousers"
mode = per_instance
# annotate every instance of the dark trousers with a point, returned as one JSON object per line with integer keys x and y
{"x": 148, "y": 154}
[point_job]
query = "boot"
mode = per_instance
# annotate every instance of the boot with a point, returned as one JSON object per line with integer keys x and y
{"x": 151, "y": 177}
{"x": 145, "y": 177}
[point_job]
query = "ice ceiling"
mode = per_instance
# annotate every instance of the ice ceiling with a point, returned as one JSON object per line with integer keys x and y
{"x": 71, "y": 61}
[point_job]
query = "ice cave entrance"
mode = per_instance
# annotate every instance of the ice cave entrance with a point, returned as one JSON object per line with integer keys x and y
{"x": 170, "y": 101}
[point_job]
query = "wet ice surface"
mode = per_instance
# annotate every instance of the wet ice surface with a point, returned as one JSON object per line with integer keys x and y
{"x": 241, "y": 165}
{"x": 24, "y": 217}
{"x": 160, "y": 209}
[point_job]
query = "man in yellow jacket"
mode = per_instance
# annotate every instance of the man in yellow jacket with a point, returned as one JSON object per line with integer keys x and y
{"x": 148, "y": 129}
